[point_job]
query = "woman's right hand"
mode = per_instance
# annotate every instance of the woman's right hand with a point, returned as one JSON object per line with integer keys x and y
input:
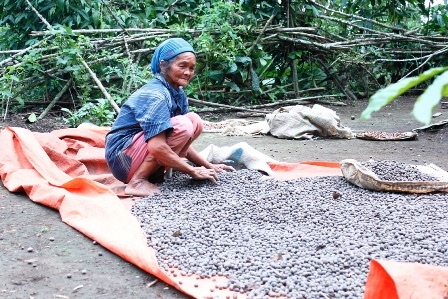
{"x": 202, "y": 173}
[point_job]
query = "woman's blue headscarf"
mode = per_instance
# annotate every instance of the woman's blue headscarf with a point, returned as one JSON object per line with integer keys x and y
{"x": 169, "y": 49}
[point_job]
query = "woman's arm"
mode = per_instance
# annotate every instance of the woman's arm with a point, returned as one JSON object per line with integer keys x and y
{"x": 159, "y": 149}
{"x": 194, "y": 157}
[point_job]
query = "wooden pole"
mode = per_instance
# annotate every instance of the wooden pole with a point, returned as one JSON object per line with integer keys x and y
{"x": 56, "y": 98}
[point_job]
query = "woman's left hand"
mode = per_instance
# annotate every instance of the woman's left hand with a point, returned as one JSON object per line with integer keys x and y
{"x": 222, "y": 167}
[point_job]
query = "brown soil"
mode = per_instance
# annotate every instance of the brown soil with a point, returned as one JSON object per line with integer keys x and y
{"x": 39, "y": 252}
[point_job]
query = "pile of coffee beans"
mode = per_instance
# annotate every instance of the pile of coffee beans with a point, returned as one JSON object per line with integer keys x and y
{"x": 388, "y": 170}
{"x": 290, "y": 238}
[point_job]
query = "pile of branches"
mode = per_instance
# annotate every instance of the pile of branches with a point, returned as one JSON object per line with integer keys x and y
{"x": 362, "y": 47}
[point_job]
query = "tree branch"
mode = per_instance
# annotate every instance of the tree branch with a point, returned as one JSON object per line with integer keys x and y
{"x": 98, "y": 83}
{"x": 336, "y": 80}
{"x": 204, "y": 103}
{"x": 56, "y": 98}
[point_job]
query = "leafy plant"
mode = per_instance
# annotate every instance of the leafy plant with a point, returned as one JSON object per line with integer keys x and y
{"x": 220, "y": 44}
{"x": 98, "y": 113}
{"x": 425, "y": 103}
{"x": 242, "y": 58}
{"x": 437, "y": 20}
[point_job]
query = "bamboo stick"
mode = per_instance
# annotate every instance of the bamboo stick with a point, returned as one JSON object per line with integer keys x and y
{"x": 21, "y": 52}
{"x": 351, "y": 16}
{"x": 39, "y": 15}
{"x": 56, "y": 99}
{"x": 290, "y": 101}
{"x": 115, "y": 30}
{"x": 101, "y": 87}
{"x": 224, "y": 106}
{"x": 350, "y": 95}
{"x": 260, "y": 34}
{"x": 292, "y": 29}
{"x": 170, "y": 31}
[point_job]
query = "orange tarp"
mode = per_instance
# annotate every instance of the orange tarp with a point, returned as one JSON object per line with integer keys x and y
{"x": 288, "y": 171}
{"x": 394, "y": 280}
{"x": 66, "y": 170}
{"x": 47, "y": 168}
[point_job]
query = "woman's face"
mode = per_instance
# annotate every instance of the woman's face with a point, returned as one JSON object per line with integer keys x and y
{"x": 180, "y": 71}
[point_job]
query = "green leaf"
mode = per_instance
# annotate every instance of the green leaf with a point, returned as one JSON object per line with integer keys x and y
{"x": 255, "y": 80}
{"x": 243, "y": 75}
{"x": 60, "y": 4}
{"x": 445, "y": 19}
{"x": 62, "y": 60}
{"x": 6, "y": 93}
{"x": 14, "y": 78}
{"x": 426, "y": 102}
{"x": 386, "y": 95}
{"x": 216, "y": 75}
{"x": 439, "y": 19}
{"x": 295, "y": 55}
{"x": 68, "y": 30}
{"x": 72, "y": 68}
{"x": 403, "y": 2}
{"x": 20, "y": 101}
{"x": 233, "y": 68}
{"x": 243, "y": 59}
{"x": 314, "y": 9}
{"x": 66, "y": 110}
{"x": 32, "y": 118}
{"x": 232, "y": 85}
{"x": 422, "y": 7}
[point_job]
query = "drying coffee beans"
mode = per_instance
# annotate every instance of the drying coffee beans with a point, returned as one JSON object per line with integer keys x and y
{"x": 290, "y": 238}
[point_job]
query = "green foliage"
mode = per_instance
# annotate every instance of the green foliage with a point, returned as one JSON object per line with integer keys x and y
{"x": 19, "y": 20}
{"x": 221, "y": 46}
{"x": 233, "y": 66}
{"x": 99, "y": 113}
{"x": 430, "y": 98}
{"x": 437, "y": 19}
{"x": 425, "y": 103}
{"x": 396, "y": 12}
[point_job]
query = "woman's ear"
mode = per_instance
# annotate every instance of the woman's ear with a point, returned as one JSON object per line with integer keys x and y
{"x": 163, "y": 66}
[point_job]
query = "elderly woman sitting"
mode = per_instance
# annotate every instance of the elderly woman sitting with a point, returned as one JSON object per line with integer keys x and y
{"x": 154, "y": 129}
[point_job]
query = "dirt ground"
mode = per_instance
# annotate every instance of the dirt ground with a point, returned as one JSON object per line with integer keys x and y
{"x": 41, "y": 257}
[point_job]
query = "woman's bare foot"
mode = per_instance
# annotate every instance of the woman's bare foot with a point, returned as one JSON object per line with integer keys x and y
{"x": 141, "y": 187}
